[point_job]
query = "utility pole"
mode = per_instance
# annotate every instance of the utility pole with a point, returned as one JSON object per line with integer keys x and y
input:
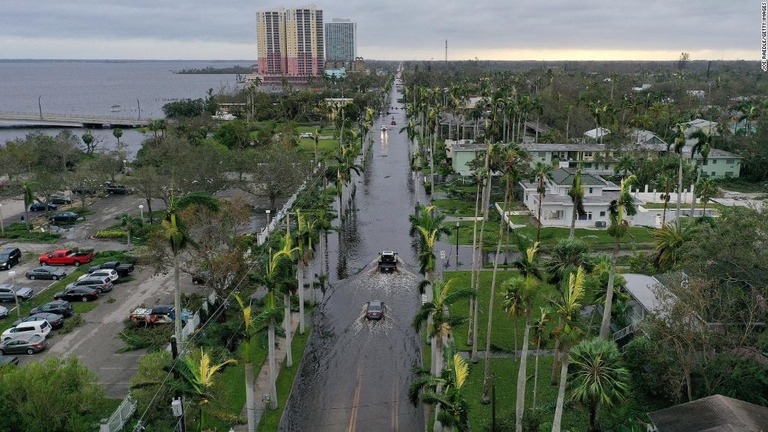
{"x": 177, "y": 405}
{"x": 446, "y": 50}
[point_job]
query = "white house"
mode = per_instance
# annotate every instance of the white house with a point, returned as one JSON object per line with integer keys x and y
{"x": 556, "y": 206}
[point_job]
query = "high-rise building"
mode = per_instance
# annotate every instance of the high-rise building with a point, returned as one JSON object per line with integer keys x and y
{"x": 290, "y": 44}
{"x": 340, "y": 40}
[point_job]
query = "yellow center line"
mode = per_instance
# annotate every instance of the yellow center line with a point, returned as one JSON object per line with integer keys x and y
{"x": 395, "y": 405}
{"x": 356, "y": 401}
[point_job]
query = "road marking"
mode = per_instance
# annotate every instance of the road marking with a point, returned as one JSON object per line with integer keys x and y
{"x": 395, "y": 404}
{"x": 356, "y": 401}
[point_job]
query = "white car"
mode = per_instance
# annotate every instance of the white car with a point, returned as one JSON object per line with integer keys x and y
{"x": 307, "y": 135}
{"x": 3, "y": 311}
{"x": 112, "y": 274}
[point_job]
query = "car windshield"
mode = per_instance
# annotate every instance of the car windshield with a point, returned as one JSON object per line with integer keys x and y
{"x": 374, "y": 307}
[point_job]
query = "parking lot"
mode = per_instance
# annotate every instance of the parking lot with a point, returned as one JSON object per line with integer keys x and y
{"x": 96, "y": 342}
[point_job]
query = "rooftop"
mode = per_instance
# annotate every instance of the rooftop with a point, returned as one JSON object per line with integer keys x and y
{"x": 716, "y": 413}
{"x": 563, "y": 176}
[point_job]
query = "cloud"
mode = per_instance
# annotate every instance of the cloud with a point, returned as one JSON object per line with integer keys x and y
{"x": 393, "y": 29}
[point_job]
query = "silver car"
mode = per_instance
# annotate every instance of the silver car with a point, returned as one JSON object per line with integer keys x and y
{"x": 9, "y": 292}
{"x": 3, "y": 311}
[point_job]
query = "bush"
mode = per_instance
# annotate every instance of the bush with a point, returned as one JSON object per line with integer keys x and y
{"x": 70, "y": 324}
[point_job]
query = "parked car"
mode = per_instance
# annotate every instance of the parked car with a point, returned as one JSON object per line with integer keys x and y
{"x": 84, "y": 294}
{"x": 111, "y": 274}
{"x": 122, "y": 269}
{"x": 3, "y": 311}
{"x": 306, "y": 135}
{"x": 374, "y": 310}
{"x": 55, "y": 320}
{"x": 64, "y": 217}
{"x": 21, "y": 345}
{"x": 38, "y": 207}
{"x": 59, "y": 307}
{"x": 9, "y": 292}
{"x": 59, "y": 199}
{"x": 46, "y": 272}
{"x": 9, "y": 257}
{"x": 118, "y": 189}
{"x": 101, "y": 283}
{"x": 27, "y": 329}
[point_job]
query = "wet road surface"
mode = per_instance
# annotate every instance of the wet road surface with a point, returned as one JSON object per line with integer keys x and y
{"x": 356, "y": 372}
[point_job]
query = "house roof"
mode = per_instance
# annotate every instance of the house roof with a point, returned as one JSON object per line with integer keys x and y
{"x": 716, "y": 413}
{"x": 713, "y": 153}
{"x": 597, "y": 133}
{"x": 642, "y": 288}
{"x": 564, "y": 176}
{"x": 564, "y": 147}
{"x": 542, "y": 128}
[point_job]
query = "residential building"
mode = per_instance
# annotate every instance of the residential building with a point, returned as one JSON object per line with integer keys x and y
{"x": 711, "y": 414}
{"x": 557, "y": 209}
{"x": 719, "y": 164}
{"x": 340, "y": 40}
{"x": 290, "y": 45}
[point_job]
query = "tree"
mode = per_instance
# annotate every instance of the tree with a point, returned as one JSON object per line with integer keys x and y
{"x": 576, "y": 192}
{"x": 542, "y": 172}
{"x": 439, "y": 321}
{"x": 148, "y": 184}
{"x": 129, "y": 222}
{"x": 198, "y": 373}
{"x": 90, "y": 142}
{"x": 429, "y": 224}
{"x": 702, "y": 147}
{"x": 669, "y": 242}
{"x": 248, "y": 334}
{"x": 707, "y": 189}
{"x": 618, "y": 228}
{"x": 567, "y": 332}
{"x": 624, "y": 165}
{"x": 521, "y": 294}
{"x": 307, "y": 230}
{"x": 276, "y": 274}
{"x": 598, "y": 377}
{"x": 679, "y": 145}
{"x": 176, "y": 235}
{"x": 539, "y": 326}
{"x": 29, "y": 404}
{"x": 276, "y": 172}
{"x": 29, "y": 197}
{"x": 445, "y": 391}
{"x": 667, "y": 184}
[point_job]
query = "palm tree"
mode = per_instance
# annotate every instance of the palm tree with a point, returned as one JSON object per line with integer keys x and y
{"x": 706, "y": 190}
{"x": 542, "y": 172}
{"x": 514, "y": 161}
{"x": 288, "y": 288}
{"x": 435, "y": 314}
{"x": 198, "y": 375}
{"x": 568, "y": 311}
{"x": 128, "y": 222}
{"x": 248, "y": 334}
{"x": 679, "y": 144}
{"x": 306, "y": 234}
{"x": 175, "y": 233}
{"x": 565, "y": 257}
{"x": 670, "y": 240}
{"x": 703, "y": 145}
{"x": 619, "y": 226}
{"x": 539, "y": 326}
{"x": 474, "y": 277}
{"x": 667, "y": 184}
{"x": 576, "y": 192}
{"x": 446, "y": 392}
{"x": 277, "y": 274}
{"x": 598, "y": 377}
{"x": 521, "y": 293}
{"x": 429, "y": 224}
{"x": 624, "y": 165}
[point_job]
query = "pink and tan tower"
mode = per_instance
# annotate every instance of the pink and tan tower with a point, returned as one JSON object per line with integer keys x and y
{"x": 290, "y": 44}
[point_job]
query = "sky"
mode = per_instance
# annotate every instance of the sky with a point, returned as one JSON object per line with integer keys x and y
{"x": 390, "y": 29}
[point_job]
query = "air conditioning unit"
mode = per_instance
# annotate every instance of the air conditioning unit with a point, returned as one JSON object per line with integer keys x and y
{"x": 600, "y": 224}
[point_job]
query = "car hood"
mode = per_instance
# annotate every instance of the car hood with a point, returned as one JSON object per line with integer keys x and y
{"x": 24, "y": 292}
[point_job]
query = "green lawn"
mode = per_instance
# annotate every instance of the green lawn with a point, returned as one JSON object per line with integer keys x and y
{"x": 504, "y": 329}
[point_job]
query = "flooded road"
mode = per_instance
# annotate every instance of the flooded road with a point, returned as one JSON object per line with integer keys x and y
{"x": 356, "y": 372}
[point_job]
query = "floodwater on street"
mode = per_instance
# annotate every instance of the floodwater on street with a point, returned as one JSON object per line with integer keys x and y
{"x": 356, "y": 372}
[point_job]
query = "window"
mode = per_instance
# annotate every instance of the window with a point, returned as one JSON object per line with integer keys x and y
{"x": 714, "y": 173}
{"x": 590, "y": 190}
{"x": 587, "y": 154}
{"x": 714, "y": 161}
{"x": 542, "y": 154}
{"x": 729, "y": 174}
{"x": 555, "y": 215}
{"x": 729, "y": 161}
{"x": 602, "y": 214}
{"x": 587, "y": 216}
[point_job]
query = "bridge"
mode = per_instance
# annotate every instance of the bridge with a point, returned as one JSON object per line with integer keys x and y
{"x": 8, "y": 119}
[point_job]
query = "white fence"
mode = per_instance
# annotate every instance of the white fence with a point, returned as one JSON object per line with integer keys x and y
{"x": 263, "y": 235}
{"x": 121, "y": 415}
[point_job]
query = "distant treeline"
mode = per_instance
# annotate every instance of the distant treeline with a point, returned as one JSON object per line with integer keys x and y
{"x": 212, "y": 70}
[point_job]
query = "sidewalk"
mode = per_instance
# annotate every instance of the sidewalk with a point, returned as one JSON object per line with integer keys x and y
{"x": 261, "y": 381}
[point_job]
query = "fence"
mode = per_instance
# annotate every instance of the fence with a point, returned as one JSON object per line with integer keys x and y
{"x": 263, "y": 235}
{"x": 117, "y": 421}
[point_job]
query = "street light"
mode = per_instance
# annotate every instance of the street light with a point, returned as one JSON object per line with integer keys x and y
{"x": 141, "y": 210}
{"x": 458, "y": 225}
{"x": 12, "y": 275}
{"x": 268, "y": 212}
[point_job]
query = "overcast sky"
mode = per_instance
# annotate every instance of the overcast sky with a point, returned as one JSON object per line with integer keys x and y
{"x": 389, "y": 29}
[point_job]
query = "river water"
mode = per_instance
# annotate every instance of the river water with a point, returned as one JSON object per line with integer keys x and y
{"x": 356, "y": 372}
{"x": 130, "y": 89}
